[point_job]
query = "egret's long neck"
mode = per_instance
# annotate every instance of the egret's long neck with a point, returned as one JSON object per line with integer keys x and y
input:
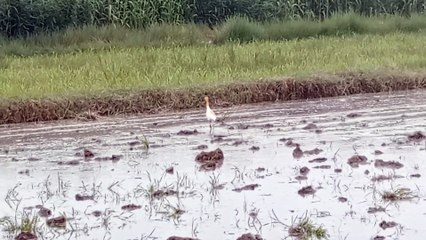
{"x": 207, "y": 104}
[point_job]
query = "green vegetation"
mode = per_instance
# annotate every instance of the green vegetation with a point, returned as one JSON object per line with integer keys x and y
{"x": 236, "y": 29}
{"x": 92, "y": 72}
{"x": 25, "y": 17}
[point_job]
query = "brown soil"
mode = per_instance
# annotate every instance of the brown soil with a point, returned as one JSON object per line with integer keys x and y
{"x": 310, "y": 126}
{"x": 416, "y": 137}
{"x": 246, "y": 187}
{"x": 161, "y": 193}
{"x": 210, "y": 160}
{"x": 388, "y": 164}
{"x": 297, "y": 152}
{"x": 386, "y": 225}
{"x": 379, "y": 238}
{"x": 357, "y": 160}
{"x": 187, "y": 132}
{"x": 44, "y": 212}
{"x": 130, "y": 207}
{"x": 81, "y": 197}
{"x": 58, "y": 222}
{"x": 376, "y": 209}
{"x": 306, "y": 190}
{"x": 156, "y": 100}
{"x": 304, "y": 171}
{"x": 180, "y": 238}
{"x": 26, "y": 236}
{"x": 318, "y": 160}
{"x": 249, "y": 236}
{"x": 314, "y": 151}
{"x": 342, "y": 199}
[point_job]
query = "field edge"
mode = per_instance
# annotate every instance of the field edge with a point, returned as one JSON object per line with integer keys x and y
{"x": 224, "y": 95}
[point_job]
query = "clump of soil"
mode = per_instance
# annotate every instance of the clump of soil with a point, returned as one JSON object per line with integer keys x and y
{"x": 338, "y": 170}
{"x": 238, "y": 142}
{"x": 290, "y": 143}
{"x": 353, "y": 115}
{"x": 58, "y": 222}
{"x": 69, "y": 163}
{"x": 323, "y": 167}
{"x": 378, "y": 152}
{"x": 310, "y": 126}
{"x": 314, "y": 151}
{"x": 113, "y": 158}
{"x": 200, "y": 147}
{"x": 130, "y": 207}
{"x": 97, "y": 213}
{"x": 249, "y": 236}
{"x": 416, "y": 175}
{"x": 88, "y": 154}
{"x": 187, "y": 132}
{"x": 357, "y": 160}
{"x": 306, "y": 191}
{"x": 388, "y": 164}
{"x": 304, "y": 171}
{"x": 384, "y": 225}
{"x": 44, "y": 212}
{"x": 380, "y": 178}
{"x": 416, "y": 137}
{"x": 33, "y": 159}
{"x": 162, "y": 193}
{"x": 26, "y": 172}
{"x": 318, "y": 160}
{"x": 376, "y": 209}
{"x": 170, "y": 170}
{"x": 254, "y": 148}
{"x": 81, "y": 197}
{"x": 300, "y": 178}
{"x": 246, "y": 187}
{"x": 297, "y": 152}
{"x": 285, "y": 139}
{"x": 180, "y": 238}
{"x": 210, "y": 160}
{"x": 379, "y": 238}
{"x": 26, "y": 236}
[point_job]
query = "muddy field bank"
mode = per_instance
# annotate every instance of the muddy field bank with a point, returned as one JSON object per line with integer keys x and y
{"x": 155, "y": 101}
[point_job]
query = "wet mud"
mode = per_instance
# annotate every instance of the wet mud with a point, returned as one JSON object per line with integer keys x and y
{"x": 263, "y": 170}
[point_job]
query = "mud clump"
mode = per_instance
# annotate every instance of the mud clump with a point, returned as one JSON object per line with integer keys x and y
{"x": 187, "y": 132}
{"x": 162, "y": 193}
{"x": 308, "y": 190}
{"x": 88, "y": 154}
{"x": 33, "y": 159}
{"x": 180, "y": 238}
{"x": 314, "y": 151}
{"x": 318, "y": 160}
{"x": 381, "y": 178}
{"x": 44, "y": 212}
{"x": 97, "y": 213}
{"x": 58, "y": 222}
{"x": 338, "y": 170}
{"x": 290, "y": 143}
{"x": 24, "y": 172}
{"x": 357, "y": 160}
{"x": 378, "y": 152}
{"x": 322, "y": 167}
{"x": 310, "y": 126}
{"x": 238, "y": 142}
{"x": 379, "y": 238}
{"x": 254, "y": 148}
{"x": 388, "y": 164}
{"x": 26, "y": 236}
{"x": 200, "y": 147}
{"x": 170, "y": 170}
{"x": 342, "y": 199}
{"x": 304, "y": 171}
{"x": 210, "y": 160}
{"x": 416, "y": 137}
{"x": 416, "y": 175}
{"x": 246, "y": 187}
{"x": 353, "y": 115}
{"x": 375, "y": 209}
{"x": 113, "y": 158}
{"x": 69, "y": 163}
{"x": 80, "y": 197}
{"x": 131, "y": 207}
{"x": 249, "y": 236}
{"x": 384, "y": 225}
{"x": 300, "y": 178}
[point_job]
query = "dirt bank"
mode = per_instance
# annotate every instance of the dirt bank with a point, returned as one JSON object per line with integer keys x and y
{"x": 153, "y": 101}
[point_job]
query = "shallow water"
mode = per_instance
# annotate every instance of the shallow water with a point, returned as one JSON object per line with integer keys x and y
{"x": 383, "y": 123}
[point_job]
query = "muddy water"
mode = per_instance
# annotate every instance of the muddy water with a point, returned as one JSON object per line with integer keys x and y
{"x": 207, "y": 207}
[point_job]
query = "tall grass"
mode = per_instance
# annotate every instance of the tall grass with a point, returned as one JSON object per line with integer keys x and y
{"x": 26, "y": 17}
{"x": 239, "y": 29}
{"x": 243, "y": 29}
{"x": 93, "y": 72}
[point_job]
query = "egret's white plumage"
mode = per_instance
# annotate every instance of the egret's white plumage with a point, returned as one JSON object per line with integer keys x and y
{"x": 211, "y": 116}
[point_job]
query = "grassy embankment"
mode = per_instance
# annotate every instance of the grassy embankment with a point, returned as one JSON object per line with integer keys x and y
{"x": 146, "y": 72}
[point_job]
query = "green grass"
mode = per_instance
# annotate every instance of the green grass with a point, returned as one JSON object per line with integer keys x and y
{"x": 91, "y": 38}
{"x": 92, "y": 72}
{"x": 244, "y": 30}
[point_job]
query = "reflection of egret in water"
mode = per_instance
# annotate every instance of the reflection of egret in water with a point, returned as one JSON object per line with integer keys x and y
{"x": 211, "y": 116}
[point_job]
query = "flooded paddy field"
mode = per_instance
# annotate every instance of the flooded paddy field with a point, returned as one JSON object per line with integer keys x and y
{"x": 352, "y": 167}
